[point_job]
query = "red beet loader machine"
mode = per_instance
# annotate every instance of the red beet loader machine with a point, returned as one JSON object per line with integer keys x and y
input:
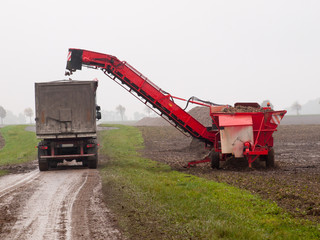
{"x": 239, "y": 134}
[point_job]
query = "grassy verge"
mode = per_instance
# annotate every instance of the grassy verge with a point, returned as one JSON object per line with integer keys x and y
{"x": 19, "y": 145}
{"x": 3, "y": 172}
{"x": 153, "y": 202}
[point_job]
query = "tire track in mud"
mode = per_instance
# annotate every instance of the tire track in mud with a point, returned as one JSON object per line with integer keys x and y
{"x": 90, "y": 217}
{"x": 54, "y": 205}
{"x": 15, "y": 181}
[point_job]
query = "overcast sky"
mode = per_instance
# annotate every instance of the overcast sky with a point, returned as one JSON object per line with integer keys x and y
{"x": 223, "y": 51}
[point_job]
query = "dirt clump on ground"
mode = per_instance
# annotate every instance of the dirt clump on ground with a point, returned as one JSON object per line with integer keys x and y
{"x": 20, "y": 168}
{"x": 294, "y": 184}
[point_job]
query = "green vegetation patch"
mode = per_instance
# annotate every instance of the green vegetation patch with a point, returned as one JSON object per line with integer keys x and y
{"x": 152, "y": 201}
{"x": 3, "y": 172}
{"x": 19, "y": 145}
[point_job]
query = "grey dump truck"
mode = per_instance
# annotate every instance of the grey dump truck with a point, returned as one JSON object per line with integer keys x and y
{"x": 66, "y": 114}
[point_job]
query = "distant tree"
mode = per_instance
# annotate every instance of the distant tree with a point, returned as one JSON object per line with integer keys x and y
{"x": 29, "y": 113}
{"x": 21, "y": 118}
{"x": 297, "y": 107}
{"x": 121, "y": 110}
{"x": 3, "y": 114}
{"x": 148, "y": 110}
{"x": 265, "y": 104}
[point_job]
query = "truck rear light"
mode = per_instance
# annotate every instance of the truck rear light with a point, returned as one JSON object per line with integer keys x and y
{"x": 43, "y": 147}
{"x": 90, "y": 145}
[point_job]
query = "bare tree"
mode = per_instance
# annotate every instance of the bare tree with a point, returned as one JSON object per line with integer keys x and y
{"x": 121, "y": 110}
{"x": 3, "y": 114}
{"x": 29, "y": 113}
{"x": 297, "y": 107}
{"x": 148, "y": 110}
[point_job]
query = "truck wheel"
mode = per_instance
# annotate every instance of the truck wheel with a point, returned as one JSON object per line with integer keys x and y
{"x": 93, "y": 164}
{"x": 270, "y": 159}
{"x": 93, "y": 161}
{"x": 85, "y": 163}
{"x": 43, "y": 163}
{"x": 53, "y": 164}
{"x": 215, "y": 159}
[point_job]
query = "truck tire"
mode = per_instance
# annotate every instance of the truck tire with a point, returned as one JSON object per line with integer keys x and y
{"x": 215, "y": 160}
{"x": 93, "y": 161}
{"x": 85, "y": 163}
{"x": 43, "y": 163}
{"x": 53, "y": 164}
{"x": 93, "y": 164}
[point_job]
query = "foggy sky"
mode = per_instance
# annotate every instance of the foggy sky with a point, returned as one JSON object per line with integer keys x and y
{"x": 221, "y": 51}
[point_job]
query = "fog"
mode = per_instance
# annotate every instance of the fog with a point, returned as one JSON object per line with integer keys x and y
{"x": 221, "y": 51}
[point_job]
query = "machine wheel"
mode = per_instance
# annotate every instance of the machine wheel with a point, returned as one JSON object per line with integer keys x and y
{"x": 43, "y": 164}
{"x": 53, "y": 164}
{"x": 85, "y": 163}
{"x": 92, "y": 162}
{"x": 270, "y": 159}
{"x": 215, "y": 160}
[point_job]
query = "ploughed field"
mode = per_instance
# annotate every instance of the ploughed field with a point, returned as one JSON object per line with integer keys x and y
{"x": 294, "y": 183}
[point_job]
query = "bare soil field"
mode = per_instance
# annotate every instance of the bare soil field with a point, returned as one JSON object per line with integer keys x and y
{"x": 294, "y": 184}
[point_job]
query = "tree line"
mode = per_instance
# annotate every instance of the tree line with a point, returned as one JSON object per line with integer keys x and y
{"x": 117, "y": 115}
{"x": 21, "y": 118}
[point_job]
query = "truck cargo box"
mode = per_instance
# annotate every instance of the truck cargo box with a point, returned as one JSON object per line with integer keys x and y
{"x": 65, "y": 109}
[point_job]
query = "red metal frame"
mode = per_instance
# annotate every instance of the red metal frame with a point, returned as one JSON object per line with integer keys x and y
{"x": 263, "y": 128}
{"x": 53, "y": 145}
{"x": 205, "y": 160}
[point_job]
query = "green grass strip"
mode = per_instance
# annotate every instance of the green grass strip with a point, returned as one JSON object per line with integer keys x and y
{"x": 3, "y": 172}
{"x": 19, "y": 145}
{"x": 152, "y": 201}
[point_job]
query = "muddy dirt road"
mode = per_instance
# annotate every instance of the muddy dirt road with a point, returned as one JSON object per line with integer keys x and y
{"x": 60, "y": 204}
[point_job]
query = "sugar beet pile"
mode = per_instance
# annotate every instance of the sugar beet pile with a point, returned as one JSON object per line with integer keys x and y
{"x": 202, "y": 114}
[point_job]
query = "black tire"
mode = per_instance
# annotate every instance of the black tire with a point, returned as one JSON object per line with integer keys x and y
{"x": 270, "y": 159}
{"x": 85, "y": 163}
{"x": 53, "y": 164}
{"x": 43, "y": 163}
{"x": 93, "y": 164}
{"x": 93, "y": 161}
{"x": 215, "y": 160}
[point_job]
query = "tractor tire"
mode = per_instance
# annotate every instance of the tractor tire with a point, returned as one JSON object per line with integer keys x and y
{"x": 43, "y": 163}
{"x": 270, "y": 159}
{"x": 53, "y": 164}
{"x": 93, "y": 161}
{"x": 93, "y": 164}
{"x": 85, "y": 163}
{"x": 215, "y": 160}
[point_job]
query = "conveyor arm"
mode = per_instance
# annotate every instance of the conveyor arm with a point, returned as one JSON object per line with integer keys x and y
{"x": 142, "y": 86}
